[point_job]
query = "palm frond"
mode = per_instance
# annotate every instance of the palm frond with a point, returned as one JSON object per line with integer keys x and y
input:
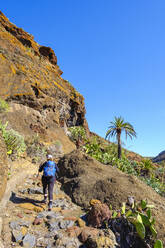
{"x": 111, "y": 132}
{"x": 119, "y": 125}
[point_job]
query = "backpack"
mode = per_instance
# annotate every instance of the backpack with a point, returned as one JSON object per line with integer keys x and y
{"x": 49, "y": 169}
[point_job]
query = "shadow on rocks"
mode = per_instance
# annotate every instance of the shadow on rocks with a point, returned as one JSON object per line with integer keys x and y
{"x": 17, "y": 200}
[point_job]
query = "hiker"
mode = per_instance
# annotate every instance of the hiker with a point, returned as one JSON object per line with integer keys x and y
{"x": 49, "y": 169}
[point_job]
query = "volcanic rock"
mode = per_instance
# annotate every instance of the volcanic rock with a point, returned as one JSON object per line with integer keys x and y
{"x": 41, "y": 102}
{"x": 83, "y": 178}
{"x": 98, "y": 214}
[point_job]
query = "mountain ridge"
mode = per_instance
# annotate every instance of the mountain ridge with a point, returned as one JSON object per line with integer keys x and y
{"x": 160, "y": 157}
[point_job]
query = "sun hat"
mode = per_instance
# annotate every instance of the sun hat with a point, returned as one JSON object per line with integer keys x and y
{"x": 49, "y": 156}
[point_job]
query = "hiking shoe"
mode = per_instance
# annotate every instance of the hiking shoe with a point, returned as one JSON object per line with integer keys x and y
{"x": 50, "y": 206}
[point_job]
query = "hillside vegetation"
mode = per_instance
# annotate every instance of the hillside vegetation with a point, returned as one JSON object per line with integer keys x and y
{"x": 42, "y": 113}
{"x": 105, "y": 152}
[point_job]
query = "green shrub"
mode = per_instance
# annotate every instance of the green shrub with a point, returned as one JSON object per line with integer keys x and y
{"x": 3, "y": 106}
{"x": 147, "y": 167}
{"x": 14, "y": 141}
{"x": 126, "y": 166}
{"x": 156, "y": 184}
{"x": 98, "y": 150}
{"x": 77, "y": 132}
{"x": 145, "y": 170}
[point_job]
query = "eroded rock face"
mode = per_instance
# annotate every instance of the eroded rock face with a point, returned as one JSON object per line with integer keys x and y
{"x": 48, "y": 53}
{"x": 27, "y": 40}
{"x": 3, "y": 167}
{"x": 41, "y": 101}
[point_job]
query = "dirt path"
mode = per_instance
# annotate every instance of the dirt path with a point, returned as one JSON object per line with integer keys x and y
{"x": 21, "y": 207}
{"x": 17, "y": 174}
{"x": 19, "y": 170}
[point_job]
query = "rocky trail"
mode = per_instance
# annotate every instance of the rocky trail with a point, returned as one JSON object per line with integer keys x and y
{"x": 26, "y": 222}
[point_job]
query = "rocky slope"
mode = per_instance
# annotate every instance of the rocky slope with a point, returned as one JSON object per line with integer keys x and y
{"x": 84, "y": 178}
{"x": 27, "y": 223}
{"x": 159, "y": 158}
{"x": 41, "y": 101}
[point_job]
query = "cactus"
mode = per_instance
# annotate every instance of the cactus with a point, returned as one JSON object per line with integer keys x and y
{"x": 154, "y": 232}
{"x": 114, "y": 215}
{"x": 123, "y": 208}
{"x": 141, "y": 217}
{"x": 140, "y": 228}
{"x": 158, "y": 244}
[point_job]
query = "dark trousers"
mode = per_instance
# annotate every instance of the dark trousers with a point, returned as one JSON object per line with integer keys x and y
{"x": 48, "y": 183}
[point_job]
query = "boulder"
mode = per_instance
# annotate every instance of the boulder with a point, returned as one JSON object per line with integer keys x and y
{"x": 29, "y": 240}
{"x": 94, "y": 201}
{"x": 99, "y": 242}
{"x": 98, "y": 214}
{"x": 88, "y": 232}
{"x": 68, "y": 242}
{"x": 17, "y": 236}
{"x": 95, "y": 238}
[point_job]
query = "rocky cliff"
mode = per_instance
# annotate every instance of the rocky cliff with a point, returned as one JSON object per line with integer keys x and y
{"x": 41, "y": 101}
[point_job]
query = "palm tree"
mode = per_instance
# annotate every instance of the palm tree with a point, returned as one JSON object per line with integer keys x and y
{"x": 116, "y": 128}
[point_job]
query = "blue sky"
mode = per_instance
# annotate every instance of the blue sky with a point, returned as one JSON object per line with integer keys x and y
{"x": 112, "y": 51}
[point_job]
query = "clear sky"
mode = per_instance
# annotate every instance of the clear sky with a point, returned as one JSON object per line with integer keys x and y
{"x": 113, "y": 53}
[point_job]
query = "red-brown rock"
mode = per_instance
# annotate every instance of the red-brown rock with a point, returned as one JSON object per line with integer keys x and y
{"x": 98, "y": 214}
{"x": 74, "y": 231}
{"x": 73, "y": 218}
{"x": 20, "y": 215}
{"x": 37, "y": 221}
{"x": 86, "y": 232}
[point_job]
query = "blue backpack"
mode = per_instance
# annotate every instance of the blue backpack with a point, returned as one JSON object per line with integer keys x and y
{"x": 49, "y": 169}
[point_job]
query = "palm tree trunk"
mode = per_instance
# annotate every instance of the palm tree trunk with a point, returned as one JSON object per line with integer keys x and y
{"x": 119, "y": 145}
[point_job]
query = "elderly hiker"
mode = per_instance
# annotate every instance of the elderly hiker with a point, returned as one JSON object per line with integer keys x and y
{"x": 49, "y": 169}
